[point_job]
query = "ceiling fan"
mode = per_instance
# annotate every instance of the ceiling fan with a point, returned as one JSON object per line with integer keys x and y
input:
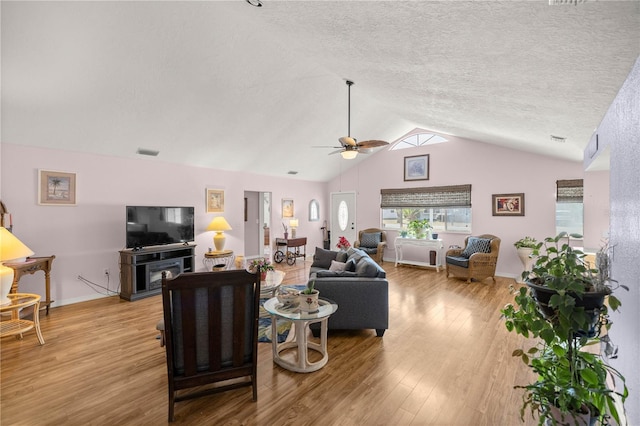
{"x": 350, "y": 147}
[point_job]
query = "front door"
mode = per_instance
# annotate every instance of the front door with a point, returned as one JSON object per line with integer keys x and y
{"x": 343, "y": 217}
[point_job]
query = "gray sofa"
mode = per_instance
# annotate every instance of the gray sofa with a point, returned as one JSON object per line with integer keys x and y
{"x": 357, "y": 284}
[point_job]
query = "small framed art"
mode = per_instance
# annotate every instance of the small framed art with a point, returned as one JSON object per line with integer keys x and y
{"x": 215, "y": 200}
{"x": 508, "y": 204}
{"x": 57, "y": 188}
{"x": 287, "y": 207}
{"x": 416, "y": 167}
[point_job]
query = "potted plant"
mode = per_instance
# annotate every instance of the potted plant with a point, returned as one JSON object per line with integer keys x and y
{"x": 343, "y": 243}
{"x": 525, "y": 247}
{"x": 308, "y": 298}
{"x": 419, "y": 227}
{"x": 261, "y": 265}
{"x": 556, "y": 307}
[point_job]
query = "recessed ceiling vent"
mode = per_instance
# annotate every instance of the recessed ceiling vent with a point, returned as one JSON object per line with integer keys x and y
{"x": 149, "y": 152}
{"x": 566, "y": 2}
{"x": 292, "y": 172}
{"x": 558, "y": 139}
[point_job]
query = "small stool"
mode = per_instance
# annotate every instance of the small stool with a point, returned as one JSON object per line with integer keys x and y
{"x": 160, "y": 328}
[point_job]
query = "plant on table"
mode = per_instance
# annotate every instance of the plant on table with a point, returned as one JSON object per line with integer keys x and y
{"x": 261, "y": 265}
{"x": 527, "y": 242}
{"x": 419, "y": 227}
{"x": 571, "y": 381}
{"x": 343, "y": 243}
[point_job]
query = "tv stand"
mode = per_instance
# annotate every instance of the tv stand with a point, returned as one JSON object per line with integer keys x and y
{"x": 141, "y": 268}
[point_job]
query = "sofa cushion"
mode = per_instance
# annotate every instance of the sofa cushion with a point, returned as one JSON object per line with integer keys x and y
{"x": 337, "y": 266}
{"x": 476, "y": 245}
{"x": 370, "y": 240}
{"x": 366, "y": 267}
{"x": 342, "y": 256}
{"x": 458, "y": 261}
{"x": 356, "y": 254}
{"x": 325, "y": 274}
{"x": 350, "y": 265}
{"x": 322, "y": 258}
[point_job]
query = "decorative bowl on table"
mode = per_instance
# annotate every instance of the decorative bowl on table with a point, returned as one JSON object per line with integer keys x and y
{"x": 288, "y": 296}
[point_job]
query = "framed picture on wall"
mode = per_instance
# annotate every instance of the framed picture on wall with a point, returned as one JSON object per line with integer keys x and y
{"x": 215, "y": 200}
{"x": 416, "y": 167}
{"x": 287, "y": 207}
{"x": 508, "y": 204}
{"x": 57, "y": 188}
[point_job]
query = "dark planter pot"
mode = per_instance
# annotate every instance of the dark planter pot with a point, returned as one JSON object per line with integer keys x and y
{"x": 591, "y": 302}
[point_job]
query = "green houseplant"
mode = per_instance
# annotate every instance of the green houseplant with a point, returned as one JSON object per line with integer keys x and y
{"x": 419, "y": 227}
{"x": 526, "y": 242}
{"x": 563, "y": 305}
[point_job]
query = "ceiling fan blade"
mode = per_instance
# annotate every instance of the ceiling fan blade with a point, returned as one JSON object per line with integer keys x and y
{"x": 336, "y": 152}
{"x": 326, "y": 146}
{"x": 372, "y": 144}
{"x": 346, "y": 140}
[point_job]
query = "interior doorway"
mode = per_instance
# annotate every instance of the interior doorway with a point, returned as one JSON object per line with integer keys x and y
{"x": 257, "y": 208}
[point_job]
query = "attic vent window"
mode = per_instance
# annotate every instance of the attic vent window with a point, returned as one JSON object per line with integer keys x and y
{"x": 149, "y": 152}
{"x": 418, "y": 139}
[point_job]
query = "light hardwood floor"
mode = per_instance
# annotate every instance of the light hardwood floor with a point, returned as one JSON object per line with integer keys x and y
{"x": 445, "y": 360}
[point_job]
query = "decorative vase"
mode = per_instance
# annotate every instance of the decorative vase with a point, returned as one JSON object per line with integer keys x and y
{"x": 239, "y": 262}
{"x": 308, "y": 302}
{"x": 263, "y": 276}
{"x": 286, "y": 235}
{"x": 524, "y": 255}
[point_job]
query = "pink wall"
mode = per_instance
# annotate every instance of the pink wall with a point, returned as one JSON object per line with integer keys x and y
{"x": 86, "y": 238}
{"x": 490, "y": 169}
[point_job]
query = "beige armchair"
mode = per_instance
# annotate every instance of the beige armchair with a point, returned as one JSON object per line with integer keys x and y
{"x": 473, "y": 262}
{"x": 373, "y": 241}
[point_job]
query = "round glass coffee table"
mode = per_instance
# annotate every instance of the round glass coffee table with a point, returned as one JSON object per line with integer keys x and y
{"x": 301, "y": 341}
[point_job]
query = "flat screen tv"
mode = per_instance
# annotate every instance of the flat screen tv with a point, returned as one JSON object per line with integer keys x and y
{"x": 158, "y": 225}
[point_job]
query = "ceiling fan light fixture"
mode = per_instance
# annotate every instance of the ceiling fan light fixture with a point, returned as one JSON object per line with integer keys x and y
{"x": 349, "y": 154}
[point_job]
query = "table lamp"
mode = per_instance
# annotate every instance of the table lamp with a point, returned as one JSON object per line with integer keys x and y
{"x": 219, "y": 225}
{"x": 11, "y": 248}
{"x": 293, "y": 223}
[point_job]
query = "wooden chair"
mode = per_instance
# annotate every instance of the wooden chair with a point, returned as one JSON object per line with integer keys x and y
{"x": 374, "y": 249}
{"x": 211, "y": 333}
{"x": 478, "y": 265}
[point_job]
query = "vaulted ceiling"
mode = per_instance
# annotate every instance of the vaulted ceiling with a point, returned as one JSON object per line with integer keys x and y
{"x": 226, "y": 85}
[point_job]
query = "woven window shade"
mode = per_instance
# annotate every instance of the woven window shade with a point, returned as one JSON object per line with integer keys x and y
{"x": 436, "y": 196}
{"x": 569, "y": 191}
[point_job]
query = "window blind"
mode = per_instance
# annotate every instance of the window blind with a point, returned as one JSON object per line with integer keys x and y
{"x": 425, "y": 197}
{"x": 569, "y": 191}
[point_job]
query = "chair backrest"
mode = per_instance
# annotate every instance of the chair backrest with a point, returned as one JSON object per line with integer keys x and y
{"x": 383, "y": 234}
{"x": 211, "y": 328}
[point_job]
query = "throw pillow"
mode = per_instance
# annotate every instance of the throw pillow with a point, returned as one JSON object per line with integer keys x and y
{"x": 322, "y": 258}
{"x": 476, "y": 245}
{"x": 370, "y": 240}
{"x": 366, "y": 267}
{"x": 356, "y": 254}
{"x": 342, "y": 256}
{"x": 337, "y": 266}
{"x": 350, "y": 265}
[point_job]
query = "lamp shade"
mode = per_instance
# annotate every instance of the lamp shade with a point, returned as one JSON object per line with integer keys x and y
{"x": 349, "y": 154}
{"x": 219, "y": 224}
{"x": 12, "y": 248}
{"x": 293, "y": 223}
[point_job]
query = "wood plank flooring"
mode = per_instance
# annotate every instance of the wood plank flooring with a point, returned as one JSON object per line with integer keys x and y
{"x": 445, "y": 360}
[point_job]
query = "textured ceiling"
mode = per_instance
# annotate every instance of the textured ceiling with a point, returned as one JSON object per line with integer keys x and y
{"x": 226, "y": 85}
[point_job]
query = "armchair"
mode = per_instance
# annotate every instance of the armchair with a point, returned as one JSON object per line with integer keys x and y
{"x": 477, "y": 260}
{"x": 372, "y": 241}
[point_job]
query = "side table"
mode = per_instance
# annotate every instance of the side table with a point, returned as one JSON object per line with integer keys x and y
{"x": 212, "y": 258}
{"x": 301, "y": 342}
{"x": 16, "y": 325}
{"x": 31, "y": 266}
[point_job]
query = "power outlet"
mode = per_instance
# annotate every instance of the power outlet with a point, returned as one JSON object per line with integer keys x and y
{"x": 106, "y": 271}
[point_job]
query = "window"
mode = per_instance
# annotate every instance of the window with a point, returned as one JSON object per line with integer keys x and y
{"x": 448, "y": 208}
{"x": 418, "y": 139}
{"x": 569, "y": 206}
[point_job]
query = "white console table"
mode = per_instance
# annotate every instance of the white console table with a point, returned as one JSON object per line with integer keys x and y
{"x": 428, "y": 245}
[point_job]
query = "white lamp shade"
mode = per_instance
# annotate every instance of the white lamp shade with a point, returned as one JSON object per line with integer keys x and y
{"x": 349, "y": 155}
{"x": 11, "y": 248}
{"x": 293, "y": 223}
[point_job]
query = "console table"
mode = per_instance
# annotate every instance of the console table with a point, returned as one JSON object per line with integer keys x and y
{"x": 428, "y": 245}
{"x": 31, "y": 266}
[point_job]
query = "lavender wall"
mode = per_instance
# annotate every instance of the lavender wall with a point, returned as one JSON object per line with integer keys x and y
{"x": 86, "y": 238}
{"x": 490, "y": 169}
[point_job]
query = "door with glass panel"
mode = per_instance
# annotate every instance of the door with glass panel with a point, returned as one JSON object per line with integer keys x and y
{"x": 343, "y": 217}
